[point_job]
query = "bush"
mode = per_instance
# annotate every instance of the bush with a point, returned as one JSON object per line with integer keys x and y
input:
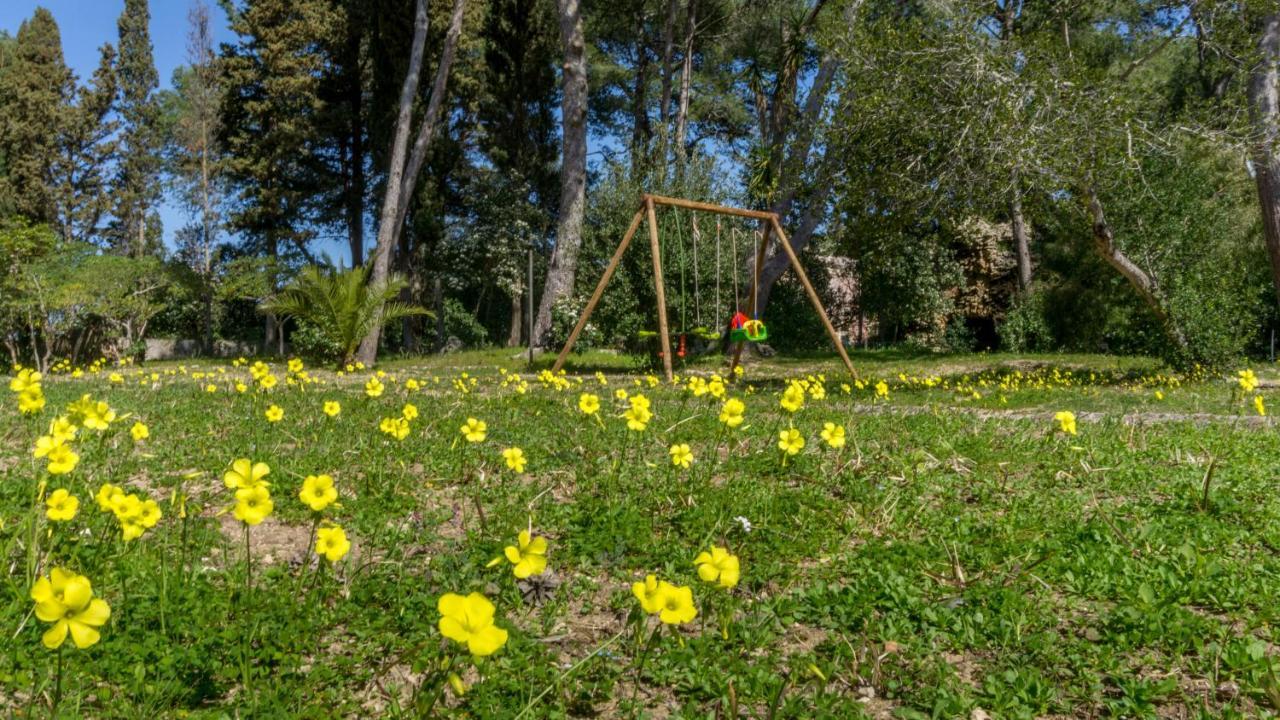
{"x": 1024, "y": 328}
{"x": 311, "y": 342}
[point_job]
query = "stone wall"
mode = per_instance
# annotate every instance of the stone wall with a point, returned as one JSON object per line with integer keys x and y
{"x": 178, "y": 348}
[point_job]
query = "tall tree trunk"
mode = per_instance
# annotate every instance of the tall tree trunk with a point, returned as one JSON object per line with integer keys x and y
{"x": 1142, "y": 282}
{"x": 355, "y": 171}
{"x": 1021, "y": 241}
{"x": 686, "y": 78}
{"x": 513, "y": 333}
{"x": 664, "y": 76}
{"x": 641, "y": 132}
{"x": 402, "y": 176}
{"x": 573, "y": 169}
{"x": 1264, "y": 102}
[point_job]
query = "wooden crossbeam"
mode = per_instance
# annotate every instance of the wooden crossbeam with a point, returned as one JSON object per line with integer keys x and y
{"x": 646, "y": 213}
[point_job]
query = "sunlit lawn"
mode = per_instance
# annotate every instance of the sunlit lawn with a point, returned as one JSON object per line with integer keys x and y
{"x": 959, "y": 552}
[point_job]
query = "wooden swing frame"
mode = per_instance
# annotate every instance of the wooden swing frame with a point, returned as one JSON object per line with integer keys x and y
{"x": 647, "y": 212}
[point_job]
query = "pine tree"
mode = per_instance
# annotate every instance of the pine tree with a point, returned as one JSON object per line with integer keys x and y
{"x": 136, "y": 188}
{"x": 271, "y": 78}
{"x": 34, "y": 86}
{"x": 85, "y": 148}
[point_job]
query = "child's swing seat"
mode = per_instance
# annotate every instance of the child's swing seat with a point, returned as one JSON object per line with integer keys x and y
{"x": 742, "y": 330}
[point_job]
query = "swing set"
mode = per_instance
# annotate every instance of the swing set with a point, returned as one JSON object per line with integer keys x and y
{"x": 741, "y": 327}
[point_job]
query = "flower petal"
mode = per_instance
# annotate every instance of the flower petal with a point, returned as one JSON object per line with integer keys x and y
{"x": 487, "y": 641}
{"x": 54, "y": 636}
{"x": 83, "y": 635}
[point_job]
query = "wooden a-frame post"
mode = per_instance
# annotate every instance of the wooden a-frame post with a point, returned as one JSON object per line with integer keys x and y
{"x": 647, "y": 212}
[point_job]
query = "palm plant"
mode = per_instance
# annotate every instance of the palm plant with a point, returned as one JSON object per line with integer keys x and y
{"x": 341, "y": 304}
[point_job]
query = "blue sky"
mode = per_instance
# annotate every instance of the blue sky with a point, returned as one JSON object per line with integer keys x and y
{"x": 87, "y": 24}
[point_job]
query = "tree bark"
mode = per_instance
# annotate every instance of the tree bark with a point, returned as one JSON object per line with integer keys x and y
{"x": 573, "y": 170}
{"x": 641, "y": 132}
{"x": 402, "y": 176}
{"x": 686, "y": 79}
{"x": 355, "y": 171}
{"x": 513, "y": 334}
{"x": 1021, "y": 241}
{"x": 1264, "y": 103}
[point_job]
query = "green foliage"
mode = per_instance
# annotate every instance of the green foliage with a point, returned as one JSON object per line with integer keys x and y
{"x": 460, "y": 323}
{"x": 135, "y": 189}
{"x": 1024, "y": 328}
{"x": 341, "y": 305}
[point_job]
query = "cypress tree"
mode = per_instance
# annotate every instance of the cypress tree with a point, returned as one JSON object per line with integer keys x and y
{"x": 33, "y": 89}
{"x": 136, "y": 189}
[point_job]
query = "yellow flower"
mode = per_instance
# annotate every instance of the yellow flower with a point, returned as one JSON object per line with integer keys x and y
{"x": 681, "y": 456}
{"x": 1257, "y": 405}
{"x": 650, "y": 593}
{"x": 318, "y": 492}
{"x": 61, "y": 505}
{"x": 211, "y": 388}
{"x": 241, "y": 387}
{"x": 26, "y": 378}
{"x": 409, "y": 412}
{"x": 588, "y": 403}
{"x": 274, "y": 413}
{"x": 61, "y": 458}
{"x": 411, "y": 385}
{"x": 528, "y": 555}
{"x": 718, "y": 566}
{"x": 332, "y": 543}
{"x": 245, "y": 473}
{"x": 253, "y": 505}
{"x": 139, "y": 431}
{"x": 397, "y": 428}
{"x": 677, "y": 605}
{"x": 515, "y": 459}
{"x": 469, "y": 621}
{"x": 833, "y": 434}
{"x": 790, "y": 441}
{"x": 332, "y": 408}
{"x": 620, "y": 394}
{"x": 731, "y": 413}
{"x": 1248, "y": 381}
{"x": 63, "y": 429}
{"x": 31, "y": 400}
{"x": 295, "y": 365}
{"x": 793, "y": 397}
{"x": 373, "y": 388}
{"x": 66, "y": 600}
{"x": 638, "y": 417}
{"x": 108, "y": 496}
{"x": 268, "y": 381}
{"x": 90, "y": 414}
{"x": 1066, "y": 421}
{"x": 882, "y": 389}
{"x": 474, "y": 430}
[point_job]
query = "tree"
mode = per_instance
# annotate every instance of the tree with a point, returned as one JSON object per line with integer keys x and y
{"x": 342, "y": 304}
{"x": 1264, "y": 102}
{"x": 271, "y": 102}
{"x": 404, "y": 167}
{"x": 136, "y": 188}
{"x": 193, "y": 112}
{"x": 573, "y": 169}
{"x": 32, "y": 99}
{"x": 85, "y": 150}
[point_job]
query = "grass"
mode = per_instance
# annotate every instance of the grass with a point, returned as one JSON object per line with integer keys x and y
{"x": 959, "y": 553}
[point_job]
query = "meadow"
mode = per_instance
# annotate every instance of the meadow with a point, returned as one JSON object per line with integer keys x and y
{"x": 967, "y": 536}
